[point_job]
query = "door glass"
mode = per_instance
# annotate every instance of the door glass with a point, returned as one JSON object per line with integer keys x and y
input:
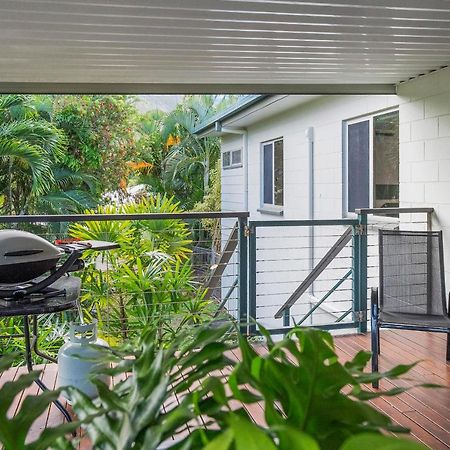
{"x": 386, "y": 161}
{"x": 268, "y": 174}
{"x": 358, "y": 165}
{"x": 278, "y": 173}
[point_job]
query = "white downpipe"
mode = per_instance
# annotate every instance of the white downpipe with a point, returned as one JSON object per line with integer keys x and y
{"x": 309, "y": 134}
{"x": 244, "y": 134}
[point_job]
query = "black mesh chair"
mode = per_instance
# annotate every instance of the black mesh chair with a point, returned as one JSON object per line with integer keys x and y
{"x": 412, "y": 286}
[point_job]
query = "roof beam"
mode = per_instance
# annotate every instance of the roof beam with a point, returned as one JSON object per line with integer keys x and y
{"x": 195, "y": 88}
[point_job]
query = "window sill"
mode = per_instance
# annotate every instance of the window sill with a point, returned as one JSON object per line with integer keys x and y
{"x": 271, "y": 211}
{"x": 232, "y": 166}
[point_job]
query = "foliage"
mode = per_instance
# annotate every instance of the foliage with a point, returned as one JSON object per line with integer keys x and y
{"x": 149, "y": 279}
{"x": 305, "y": 388}
{"x": 101, "y": 134}
{"x": 132, "y": 414}
{"x": 311, "y": 401}
{"x": 29, "y": 147}
{"x": 300, "y": 383}
{"x": 180, "y": 161}
{"x": 212, "y": 202}
{"x": 14, "y": 430}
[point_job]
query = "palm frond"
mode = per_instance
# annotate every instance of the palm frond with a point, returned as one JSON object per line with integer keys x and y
{"x": 31, "y": 157}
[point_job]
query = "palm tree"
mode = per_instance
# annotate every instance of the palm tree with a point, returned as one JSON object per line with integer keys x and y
{"x": 190, "y": 159}
{"x": 29, "y": 146}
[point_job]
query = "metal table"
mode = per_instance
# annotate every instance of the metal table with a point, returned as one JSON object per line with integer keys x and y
{"x": 30, "y": 310}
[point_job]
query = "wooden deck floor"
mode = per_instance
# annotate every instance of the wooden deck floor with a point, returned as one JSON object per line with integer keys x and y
{"x": 425, "y": 411}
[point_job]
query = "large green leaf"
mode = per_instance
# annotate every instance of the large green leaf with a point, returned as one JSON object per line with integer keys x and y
{"x": 376, "y": 441}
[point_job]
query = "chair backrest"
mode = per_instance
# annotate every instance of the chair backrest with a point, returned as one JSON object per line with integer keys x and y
{"x": 412, "y": 272}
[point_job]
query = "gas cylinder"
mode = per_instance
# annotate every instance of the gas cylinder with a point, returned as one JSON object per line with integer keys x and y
{"x": 78, "y": 359}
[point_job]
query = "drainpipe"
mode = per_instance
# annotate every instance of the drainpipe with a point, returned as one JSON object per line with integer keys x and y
{"x": 243, "y": 132}
{"x": 309, "y": 134}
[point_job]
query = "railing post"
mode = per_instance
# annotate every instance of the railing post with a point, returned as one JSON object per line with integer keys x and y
{"x": 360, "y": 304}
{"x": 355, "y": 272}
{"x": 252, "y": 278}
{"x": 287, "y": 317}
{"x": 243, "y": 280}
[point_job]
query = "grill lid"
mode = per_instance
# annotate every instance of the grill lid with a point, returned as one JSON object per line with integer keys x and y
{"x": 24, "y": 256}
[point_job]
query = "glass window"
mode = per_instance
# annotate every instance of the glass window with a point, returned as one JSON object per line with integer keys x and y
{"x": 273, "y": 173}
{"x": 385, "y": 161}
{"x": 236, "y": 157}
{"x": 278, "y": 173}
{"x": 232, "y": 159}
{"x": 226, "y": 160}
{"x": 358, "y": 165}
{"x": 373, "y": 162}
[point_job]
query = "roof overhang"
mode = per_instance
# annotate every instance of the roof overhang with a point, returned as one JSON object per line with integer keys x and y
{"x": 220, "y": 46}
{"x": 194, "y": 88}
{"x": 249, "y": 111}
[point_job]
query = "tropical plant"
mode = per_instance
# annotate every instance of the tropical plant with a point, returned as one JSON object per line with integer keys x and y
{"x": 176, "y": 397}
{"x": 171, "y": 158}
{"x": 14, "y": 430}
{"x": 29, "y": 147}
{"x": 307, "y": 392}
{"x": 101, "y": 131}
{"x": 140, "y": 412}
{"x": 300, "y": 383}
{"x": 149, "y": 278}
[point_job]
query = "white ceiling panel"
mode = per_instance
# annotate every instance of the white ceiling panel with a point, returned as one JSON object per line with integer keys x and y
{"x": 170, "y": 46}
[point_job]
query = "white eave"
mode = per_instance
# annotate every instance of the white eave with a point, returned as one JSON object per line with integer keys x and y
{"x": 207, "y": 46}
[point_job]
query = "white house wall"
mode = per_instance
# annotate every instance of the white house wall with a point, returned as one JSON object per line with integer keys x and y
{"x": 283, "y": 254}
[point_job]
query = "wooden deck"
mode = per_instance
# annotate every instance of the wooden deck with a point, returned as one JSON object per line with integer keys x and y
{"x": 425, "y": 411}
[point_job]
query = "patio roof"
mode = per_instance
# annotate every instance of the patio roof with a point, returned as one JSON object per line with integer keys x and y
{"x": 241, "y": 46}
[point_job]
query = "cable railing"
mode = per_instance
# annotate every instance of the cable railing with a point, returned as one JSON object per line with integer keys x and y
{"x": 176, "y": 270}
{"x": 171, "y": 271}
{"x": 317, "y": 272}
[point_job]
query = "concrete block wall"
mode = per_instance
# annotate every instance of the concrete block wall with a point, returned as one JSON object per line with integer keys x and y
{"x": 424, "y": 105}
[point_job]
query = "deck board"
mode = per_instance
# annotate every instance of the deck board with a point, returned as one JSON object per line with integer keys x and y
{"x": 425, "y": 411}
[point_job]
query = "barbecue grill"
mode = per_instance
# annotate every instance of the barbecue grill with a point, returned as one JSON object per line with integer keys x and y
{"x": 35, "y": 279}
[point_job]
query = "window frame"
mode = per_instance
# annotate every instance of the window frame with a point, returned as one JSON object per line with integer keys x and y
{"x": 270, "y": 208}
{"x": 231, "y": 165}
{"x": 370, "y": 117}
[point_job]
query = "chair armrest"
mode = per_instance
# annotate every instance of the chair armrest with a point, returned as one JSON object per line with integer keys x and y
{"x": 374, "y": 296}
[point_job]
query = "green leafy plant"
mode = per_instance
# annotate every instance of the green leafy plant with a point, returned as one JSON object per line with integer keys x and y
{"x": 305, "y": 390}
{"x": 149, "y": 280}
{"x": 177, "y": 397}
{"x": 14, "y": 430}
{"x": 141, "y": 412}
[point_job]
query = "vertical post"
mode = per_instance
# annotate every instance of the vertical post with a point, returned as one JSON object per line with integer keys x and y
{"x": 252, "y": 278}
{"x": 429, "y": 264}
{"x": 243, "y": 267}
{"x": 286, "y": 317}
{"x": 355, "y": 272}
{"x": 362, "y": 276}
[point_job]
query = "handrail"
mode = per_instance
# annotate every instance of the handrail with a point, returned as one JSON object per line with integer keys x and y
{"x": 386, "y": 211}
{"x": 105, "y": 217}
{"x": 343, "y": 240}
{"x": 213, "y": 281}
{"x": 302, "y": 223}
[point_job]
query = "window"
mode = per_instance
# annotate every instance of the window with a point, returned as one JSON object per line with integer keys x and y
{"x": 231, "y": 159}
{"x": 373, "y": 162}
{"x": 272, "y": 173}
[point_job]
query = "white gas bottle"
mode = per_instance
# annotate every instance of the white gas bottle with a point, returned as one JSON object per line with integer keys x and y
{"x": 78, "y": 359}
